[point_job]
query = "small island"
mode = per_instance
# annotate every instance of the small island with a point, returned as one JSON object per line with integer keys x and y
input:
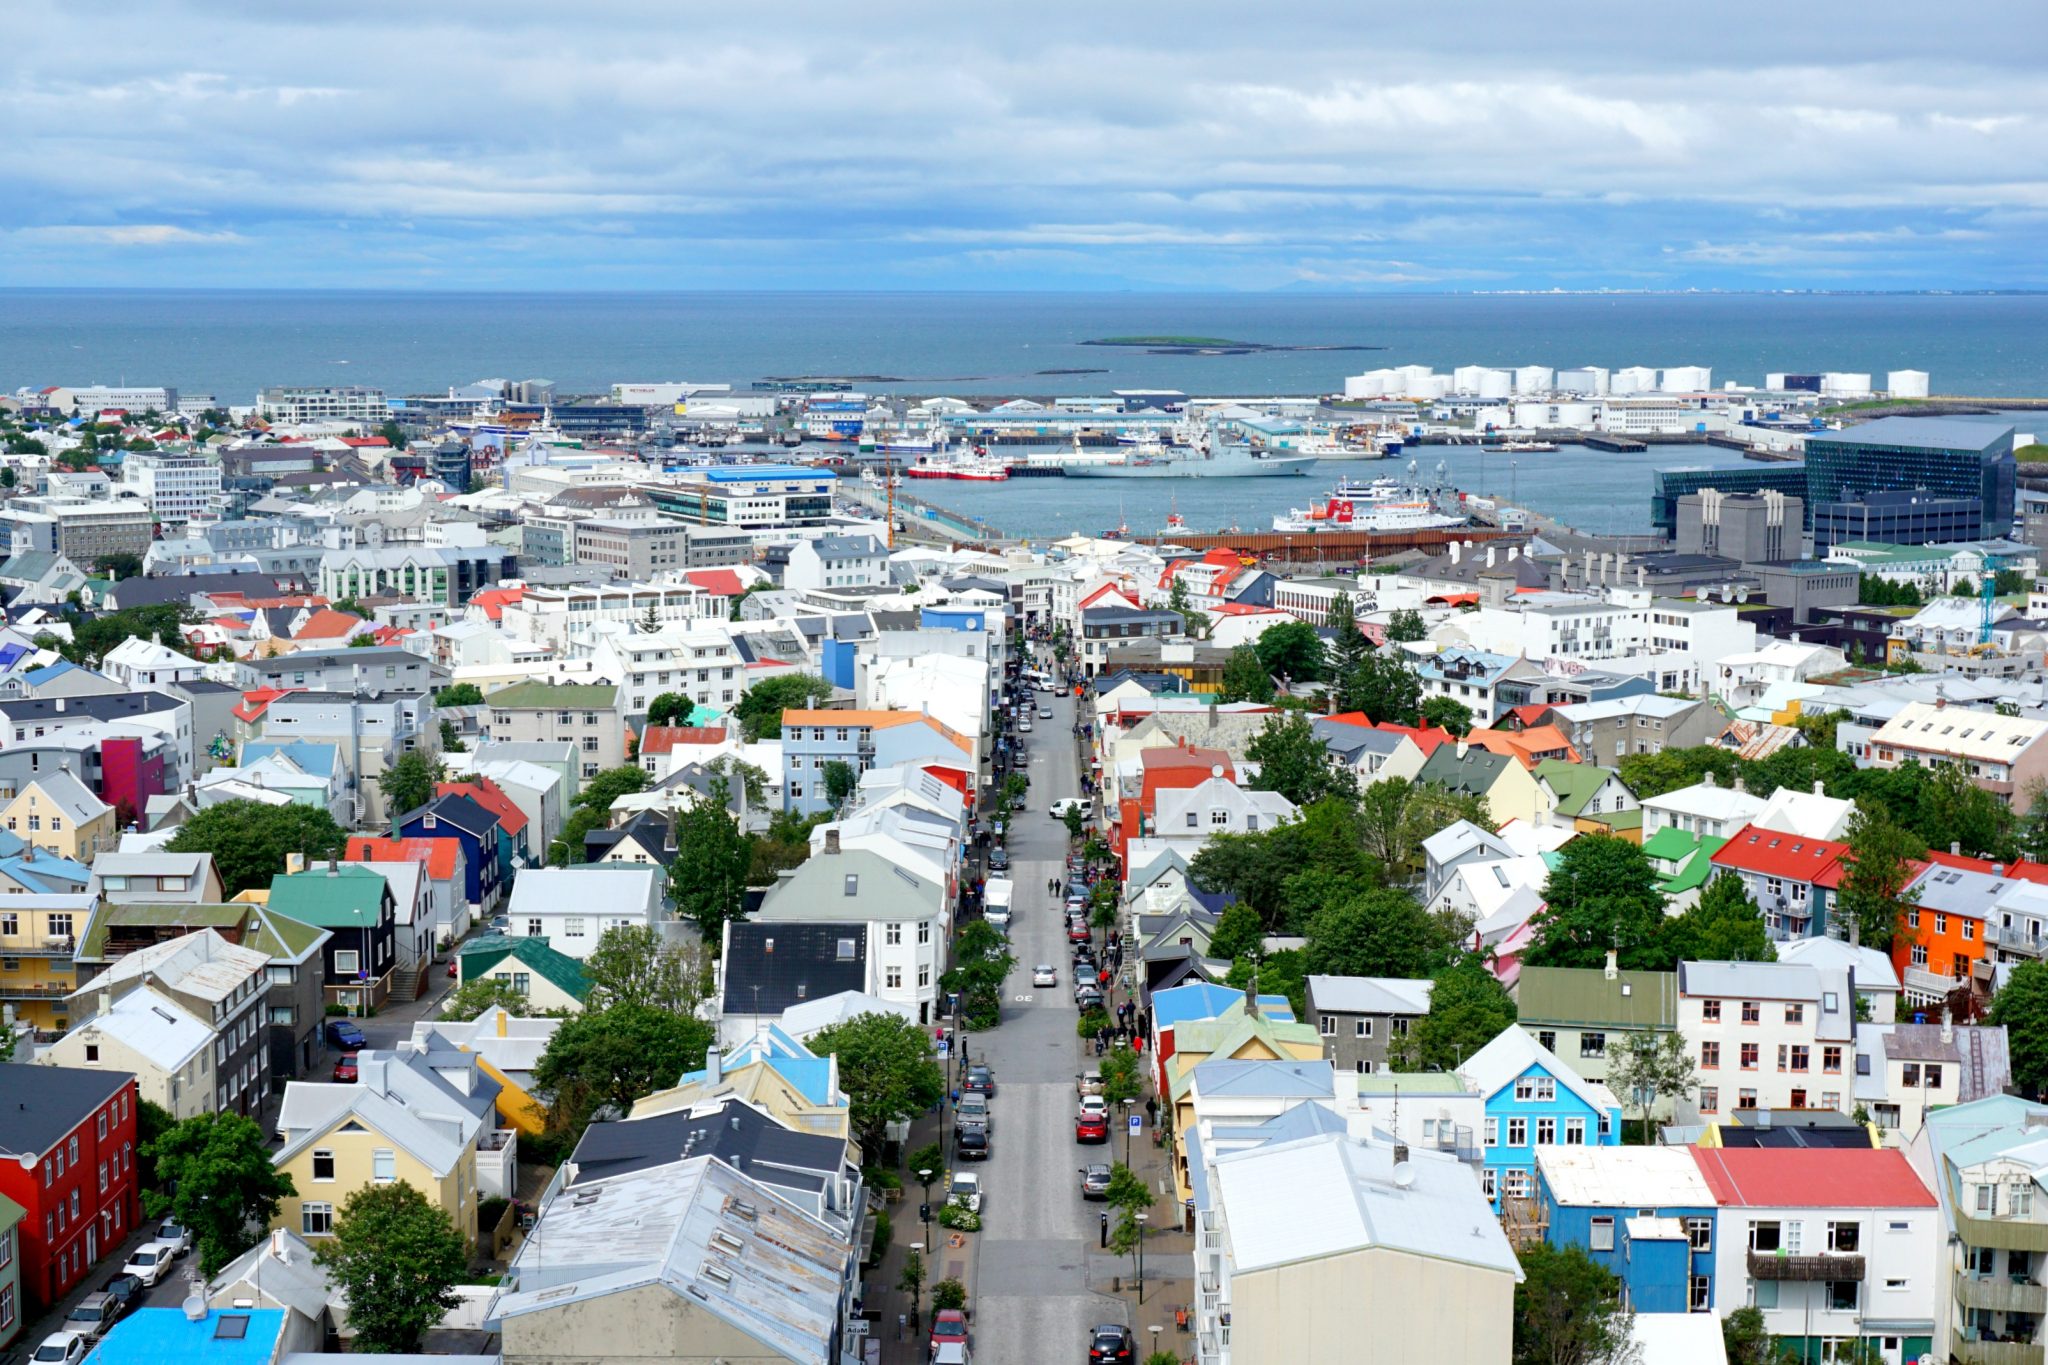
{"x": 1187, "y": 345}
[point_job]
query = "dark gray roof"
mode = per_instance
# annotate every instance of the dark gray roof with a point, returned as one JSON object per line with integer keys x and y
{"x": 1101, "y": 615}
{"x": 110, "y": 706}
{"x": 805, "y": 964}
{"x": 47, "y": 1102}
{"x": 155, "y": 592}
{"x": 738, "y": 1134}
{"x": 461, "y": 811}
{"x": 847, "y": 547}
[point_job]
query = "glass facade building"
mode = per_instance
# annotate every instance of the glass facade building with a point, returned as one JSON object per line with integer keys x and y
{"x": 1951, "y": 456}
{"x": 1904, "y": 518}
{"x": 1667, "y": 486}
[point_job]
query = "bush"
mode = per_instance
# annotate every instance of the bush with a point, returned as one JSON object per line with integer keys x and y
{"x": 1091, "y": 1021}
{"x": 948, "y": 1294}
{"x": 959, "y": 1218}
{"x": 488, "y": 1211}
{"x": 882, "y": 1178}
{"x": 883, "y": 1229}
{"x": 925, "y": 1158}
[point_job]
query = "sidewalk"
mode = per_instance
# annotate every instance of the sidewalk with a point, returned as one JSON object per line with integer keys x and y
{"x": 942, "y": 1261}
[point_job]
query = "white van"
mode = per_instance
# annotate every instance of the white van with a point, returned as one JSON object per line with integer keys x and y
{"x": 1060, "y": 808}
{"x": 997, "y": 895}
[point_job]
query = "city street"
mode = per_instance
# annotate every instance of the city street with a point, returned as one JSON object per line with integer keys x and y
{"x": 1033, "y": 1304}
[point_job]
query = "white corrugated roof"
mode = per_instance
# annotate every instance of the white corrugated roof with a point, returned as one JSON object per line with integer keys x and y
{"x": 1624, "y": 1177}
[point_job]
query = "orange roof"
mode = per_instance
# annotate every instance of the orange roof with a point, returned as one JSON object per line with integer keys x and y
{"x": 487, "y": 794}
{"x": 495, "y": 600}
{"x": 1531, "y": 714}
{"x": 359, "y": 442}
{"x": 1525, "y": 746}
{"x": 1245, "y": 609}
{"x": 717, "y": 582}
{"x": 876, "y": 720}
{"x": 1455, "y": 599}
{"x": 438, "y": 854}
{"x": 1426, "y": 737}
{"x": 2022, "y": 870}
{"x": 328, "y": 624}
{"x": 662, "y": 739}
{"x": 255, "y": 702}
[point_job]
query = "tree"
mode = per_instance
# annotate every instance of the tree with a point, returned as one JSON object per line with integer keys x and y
{"x": 1281, "y": 973}
{"x": 592, "y": 809}
{"x": 637, "y": 964}
{"x": 1376, "y": 933}
{"x": 363, "y": 641}
{"x": 948, "y": 1295}
{"x": 759, "y": 709}
{"x": 886, "y": 1069}
{"x": 1744, "y": 1337}
{"x": 1255, "y": 867}
{"x": 1568, "y": 1310}
{"x": 152, "y": 1121}
{"x": 670, "y": 708}
{"x": 451, "y": 738}
{"x": 1293, "y": 762}
{"x": 603, "y": 1060}
{"x": 2023, "y": 1008}
{"x": 1965, "y": 587}
{"x": 460, "y": 694}
{"x": 1245, "y": 678}
{"x": 1406, "y": 627}
{"x": 394, "y": 434}
{"x": 119, "y": 566}
{"x": 1724, "y": 925}
{"x": 1649, "y": 775}
{"x": 1447, "y": 713}
{"x": 92, "y": 637}
{"x": 1602, "y": 895}
{"x": 1348, "y": 645}
{"x": 8, "y": 478}
{"x": 1648, "y": 1066}
{"x": 2032, "y": 831}
{"x": 840, "y": 783}
{"x": 1468, "y": 1008}
{"x": 249, "y": 840}
{"x": 1394, "y": 818}
{"x": 395, "y": 1257}
{"x": 1238, "y": 931}
{"x": 409, "y": 783}
{"x": 981, "y": 961}
{"x": 1384, "y": 687}
{"x": 473, "y": 998}
{"x": 1195, "y": 623}
{"x": 707, "y": 879}
{"x": 911, "y": 1281}
{"x": 1879, "y": 864}
{"x": 1953, "y": 809}
{"x": 220, "y": 1183}
{"x": 1291, "y": 650}
{"x": 1076, "y": 823}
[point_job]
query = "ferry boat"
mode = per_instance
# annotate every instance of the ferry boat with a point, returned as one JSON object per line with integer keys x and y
{"x": 1522, "y": 448}
{"x": 979, "y": 467}
{"x": 1066, "y": 459}
{"x": 1155, "y": 461}
{"x": 1342, "y": 514}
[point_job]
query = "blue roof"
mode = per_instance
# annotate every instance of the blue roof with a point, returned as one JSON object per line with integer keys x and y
{"x": 36, "y": 677}
{"x": 810, "y": 1074}
{"x": 1206, "y": 1000}
{"x": 150, "y": 1336}
{"x": 47, "y": 873}
{"x": 12, "y": 654}
{"x": 754, "y": 472}
{"x": 1283, "y": 1079}
{"x": 318, "y": 759}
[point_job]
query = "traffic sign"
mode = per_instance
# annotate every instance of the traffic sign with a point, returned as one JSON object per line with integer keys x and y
{"x": 1137, "y": 1124}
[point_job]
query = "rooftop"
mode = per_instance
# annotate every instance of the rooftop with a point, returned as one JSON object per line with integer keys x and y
{"x": 1792, "y": 1177}
{"x": 49, "y": 1102}
{"x": 1918, "y": 433}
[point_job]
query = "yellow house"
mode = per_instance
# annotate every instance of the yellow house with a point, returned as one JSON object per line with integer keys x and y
{"x": 1235, "y": 1036}
{"x": 38, "y": 942}
{"x": 58, "y": 813}
{"x": 403, "y": 1120}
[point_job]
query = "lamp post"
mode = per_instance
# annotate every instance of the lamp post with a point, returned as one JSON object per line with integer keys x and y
{"x": 1155, "y": 1329}
{"x": 1140, "y": 1218}
{"x": 924, "y": 1210}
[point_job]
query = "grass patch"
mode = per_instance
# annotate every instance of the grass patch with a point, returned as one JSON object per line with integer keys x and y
{"x": 2033, "y": 454}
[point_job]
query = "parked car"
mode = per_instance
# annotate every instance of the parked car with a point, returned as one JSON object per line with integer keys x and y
{"x": 61, "y": 1348}
{"x": 500, "y": 924}
{"x": 94, "y": 1314}
{"x": 1095, "y": 1104}
{"x": 1091, "y": 1128}
{"x": 123, "y": 1289}
{"x": 1110, "y": 1344}
{"x": 971, "y": 1142}
{"x": 181, "y": 1238}
{"x": 1077, "y": 931}
{"x": 980, "y": 1081}
{"x": 1024, "y": 725}
{"x": 1059, "y": 810}
{"x": 973, "y": 1107}
{"x": 998, "y": 860}
{"x": 345, "y": 1068}
{"x": 1045, "y": 713}
{"x": 952, "y": 1353}
{"x": 1088, "y": 1083}
{"x": 948, "y": 1325}
{"x": 150, "y": 1262}
{"x": 1095, "y": 1181}
{"x": 344, "y": 1034}
{"x": 1088, "y": 998}
{"x": 964, "y": 1189}
{"x": 1044, "y": 975}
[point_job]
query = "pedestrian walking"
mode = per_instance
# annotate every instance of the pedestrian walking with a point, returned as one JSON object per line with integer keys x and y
{"x": 1151, "y": 1111}
{"x": 1105, "y": 1228}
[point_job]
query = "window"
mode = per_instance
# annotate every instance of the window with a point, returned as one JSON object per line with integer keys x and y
{"x": 1909, "y": 1073}
{"x": 92, "y": 1054}
{"x": 893, "y": 978}
{"x": 1987, "y": 1199}
{"x": 1710, "y": 1011}
{"x": 383, "y": 1165}
{"x": 1766, "y": 1237}
{"x": 1930, "y": 1075}
{"x": 1518, "y": 1132}
{"x": 316, "y": 1220}
{"x": 1745, "y": 1098}
{"x": 1752, "y": 1013}
{"x": 282, "y": 1014}
{"x": 573, "y": 926}
{"x": 1603, "y": 1233}
{"x": 1749, "y": 1053}
{"x": 1547, "y": 1038}
{"x": 1969, "y": 930}
{"x": 892, "y": 934}
{"x": 1795, "y": 1013}
{"x": 1574, "y": 1132}
{"x": 1696, "y": 1287}
{"x": 1699, "y": 1233}
{"x": 1710, "y": 1099}
{"x": 1845, "y": 1238}
{"x": 1842, "y": 1296}
{"x": 590, "y": 744}
{"x": 1800, "y": 1057}
{"x": 1592, "y": 1045}
{"x": 1710, "y": 1056}
{"x": 1363, "y": 1028}
{"x": 1329, "y": 1027}
{"x": 1493, "y": 1133}
{"x": 522, "y": 983}
{"x": 323, "y": 1164}
{"x": 1831, "y": 1059}
{"x": 1486, "y": 1181}
{"x": 1546, "y": 1132}
{"x": 1541, "y": 1089}
{"x": 924, "y": 931}
{"x": 1941, "y": 924}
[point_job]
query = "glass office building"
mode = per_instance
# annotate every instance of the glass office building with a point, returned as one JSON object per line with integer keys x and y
{"x": 1904, "y": 518}
{"x": 1667, "y": 486}
{"x": 1952, "y": 456}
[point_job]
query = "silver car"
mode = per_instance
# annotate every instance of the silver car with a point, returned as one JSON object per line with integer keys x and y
{"x": 1044, "y": 975}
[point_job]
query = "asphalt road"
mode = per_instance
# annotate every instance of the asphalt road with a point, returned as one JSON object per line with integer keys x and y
{"x": 1032, "y": 1305}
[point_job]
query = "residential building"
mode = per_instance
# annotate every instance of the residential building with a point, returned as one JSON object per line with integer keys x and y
{"x": 569, "y": 908}
{"x": 584, "y": 714}
{"x": 1586, "y": 797}
{"x": 814, "y": 740}
{"x": 1362, "y": 1018}
{"x": 303, "y": 403}
{"x": 2003, "y": 755}
{"x": 1588, "y": 1015}
{"x": 834, "y": 562}
{"x": 507, "y": 1049}
{"x": 1792, "y": 878}
{"x": 1705, "y": 808}
{"x": 356, "y": 907}
{"x": 1906, "y": 1071}
{"x": 1877, "y": 982}
{"x": 178, "y": 485}
{"x": 693, "y": 659}
{"x": 1608, "y": 731}
{"x": 1484, "y": 683}
{"x": 1986, "y": 1163}
{"x": 1837, "y": 1247}
{"x": 1768, "y": 1035}
{"x": 1508, "y": 789}
{"x": 156, "y": 878}
{"x": 68, "y": 1161}
{"x": 280, "y": 1274}
{"x": 478, "y": 877}
{"x": 38, "y": 945}
{"x": 59, "y": 814}
{"x": 1644, "y": 1214}
{"x": 1533, "y": 1099}
{"x": 12, "y": 1304}
{"x": 1955, "y": 457}
{"x": 1944, "y": 929}
{"x": 1108, "y": 628}
{"x": 551, "y": 980}
{"x": 769, "y": 968}
{"x": 902, "y": 918}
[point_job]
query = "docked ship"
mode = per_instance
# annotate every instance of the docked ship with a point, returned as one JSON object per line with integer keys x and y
{"x": 979, "y": 467}
{"x": 1155, "y": 461}
{"x": 1522, "y": 448}
{"x": 1382, "y": 505}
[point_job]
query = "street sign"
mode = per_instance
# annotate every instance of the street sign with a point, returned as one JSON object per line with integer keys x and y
{"x": 1137, "y": 1125}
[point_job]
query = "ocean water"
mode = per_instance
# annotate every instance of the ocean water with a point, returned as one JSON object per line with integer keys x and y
{"x": 1597, "y": 491}
{"x": 229, "y": 344}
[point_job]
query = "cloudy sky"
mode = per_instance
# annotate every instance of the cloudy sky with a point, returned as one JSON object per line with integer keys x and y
{"x": 1465, "y": 144}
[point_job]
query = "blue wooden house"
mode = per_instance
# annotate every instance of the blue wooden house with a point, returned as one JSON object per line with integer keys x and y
{"x": 459, "y": 817}
{"x": 1534, "y": 1100}
{"x": 1644, "y": 1213}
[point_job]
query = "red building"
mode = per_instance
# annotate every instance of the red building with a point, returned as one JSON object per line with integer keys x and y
{"x": 67, "y": 1156}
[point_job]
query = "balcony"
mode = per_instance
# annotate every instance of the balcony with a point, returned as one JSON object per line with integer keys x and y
{"x": 2001, "y": 1294}
{"x": 2012, "y": 1234}
{"x": 1971, "y": 1352}
{"x": 1769, "y": 1265}
{"x": 1920, "y": 981}
{"x": 62, "y": 945}
{"x": 10, "y": 990}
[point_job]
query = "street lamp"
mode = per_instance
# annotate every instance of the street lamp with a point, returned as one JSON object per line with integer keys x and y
{"x": 924, "y": 1210}
{"x": 1156, "y": 1328}
{"x": 1140, "y": 1218}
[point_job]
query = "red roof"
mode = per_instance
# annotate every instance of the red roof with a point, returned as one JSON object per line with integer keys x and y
{"x": 1426, "y": 737}
{"x": 1092, "y": 598}
{"x": 1531, "y": 714}
{"x": 1812, "y": 1178}
{"x": 359, "y": 442}
{"x": 255, "y": 702}
{"x": 1245, "y": 609}
{"x": 1771, "y": 853}
{"x": 328, "y": 624}
{"x": 718, "y": 582}
{"x": 495, "y": 600}
{"x": 661, "y": 739}
{"x": 438, "y": 854}
{"x": 487, "y": 794}
{"x": 1455, "y": 599}
{"x": 2021, "y": 871}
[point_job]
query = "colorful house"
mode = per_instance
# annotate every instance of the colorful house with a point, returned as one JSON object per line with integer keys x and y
{"x": 1791, "y": 877}
{"x": 550, "y": 980}
{"x": 459, "y": 817}
{"x": 355, "y": 906}
{"x": 1644, "y": 1213}
{"x": 1534, "y": 1100}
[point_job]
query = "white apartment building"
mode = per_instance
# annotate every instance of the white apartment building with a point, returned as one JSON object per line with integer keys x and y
{"x": 137, "y": 399}
{"x": 694, "y": 660}
{"x": 1671, "y": 642}
{"x": 1706, "y": 808}
{"x": 570, "y": 619}
{"x": 1768, "y": 1035}
{"x": 177, "y": 485}
{"x": 323, "y": 403}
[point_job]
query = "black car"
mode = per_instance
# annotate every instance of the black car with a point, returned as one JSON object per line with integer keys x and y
{"x": 971, "y": 1141}
{"x": 998, "y": 861}
{"x": 1095, "y": 1181}
{"x": 980, "y": 1081}
{"x": 1110, "y": 1344}
{"x": 126, "y": 1290}
{"x": 343, "y": 1033}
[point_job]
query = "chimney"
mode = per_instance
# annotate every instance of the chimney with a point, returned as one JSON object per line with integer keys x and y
{"x": 1948, "y": 1027}
{"x": 1819, "y": 789}
{"x": 1955, "y": 848}
{"x": 333, "y": 868}
{"x": 1400, "y": 1152}
{"x": 1855, "y": 933}
{"x": 294, "y": 862}
{"x": 1998, "y": 869}
{"x": 106, "y": 1003}
{"x": 1613, "y": 969}
{"x": 1457, "y": 552}
{"x": 831, "y": 840}
{"x": 1491, "y": 552}
{"x": 279, "y": 1248}
{"x": 1706, "y": 779}
{"x": 502, "y": 1017}
{"x": 714, "y": 1066}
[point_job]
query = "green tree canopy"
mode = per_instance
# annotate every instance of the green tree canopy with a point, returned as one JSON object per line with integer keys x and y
{"x": 1447, "y": 713}
{"x": 473, "y": 997}
{"x": 981, "y": 961}
{"x": 1879, "y": 865}
{"x": 1282, "y": 973}
{"x": 460, "y": 694}
{"x": 220, "y": 1182}
{"x": 886, "y": 1068}
{"x": 1382, "y": 932}
{"x": 841, "y": 782}
{"x": 1406, "y": 626}
{"x": 2023, "y": 1008}
{"x": 1348, "y": 645}
{"x": 1384, "y": 687}
{"x": 1296, "y": 764}
{"x": 1394, "y": 817}
{"x": 1238, "y": 931}
{"x": 670, "y": 708}
{"x": 1255, "y": 867}
{"x": 1647, "y": 1067}
{"x": 93, "y": 636}
{"x": 394, "y": 434}
{"x": 409, "y": 782}
{"x": 637, "y": 964}
{"x": 1669, "y": 770}
{"x": 249, "y": 840}
{"x": 759, "y": 709}
{"x": 1568, "y": 1310}
{"x": 1468, "y": 1008}
{"x": 1245, "y": 678}
{"x": 707, "y": 879}
{"x": 1291, "y": 650}
{"x": 1724, "y": 925}
{"x": 592, "y": 810}
{"x": 1602, "y": 895}
{"x": 396, "y": 1258}
{"x": 606, "y": 1059}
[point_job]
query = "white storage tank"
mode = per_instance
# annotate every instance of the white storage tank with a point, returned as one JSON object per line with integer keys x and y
{"x": 1535, "y": 379}
{"x": 1634, "y": 379}
{"x": 1906, "y": 383}
{"x": 1371, "y": 384}
{"x": 1590, "y": 380}
{"x": 1688, "y": 379}
{"x": 1495, "y": 383}
{"x": 1834, "y": 385}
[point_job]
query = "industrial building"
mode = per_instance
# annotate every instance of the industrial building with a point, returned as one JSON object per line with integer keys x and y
{"x": 1667, "y": 486}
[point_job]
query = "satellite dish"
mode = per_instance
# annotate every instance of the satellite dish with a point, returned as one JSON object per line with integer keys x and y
{"x": 1404, "y": 1174}
{"x": 1216, "y": 770}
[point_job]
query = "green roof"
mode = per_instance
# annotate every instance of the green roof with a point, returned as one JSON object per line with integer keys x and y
{"x": 1670, "y": 843}
{"x": 1574, "y": 783}
{"x": 1411, "y": 1083}
{"x": 566, "y": 973}
{"x": 1588, "y": 996}
{"x": 283, "y": 937}
{"x": 216, "y": 915}
{"x": 10, "y": 1213}
{"x": 540, "y": 696}
{"x": 1694, "y": 854}
{"x": 1617, "y": 819}
{"x": 332, "y": 898}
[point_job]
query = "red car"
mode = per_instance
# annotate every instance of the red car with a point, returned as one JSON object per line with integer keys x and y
{"x": 345, "y": 1069}
{"x": 948, "y": 1325}
{"x": 1078, "y": 933}
{"x": 1091, "y": 1128}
